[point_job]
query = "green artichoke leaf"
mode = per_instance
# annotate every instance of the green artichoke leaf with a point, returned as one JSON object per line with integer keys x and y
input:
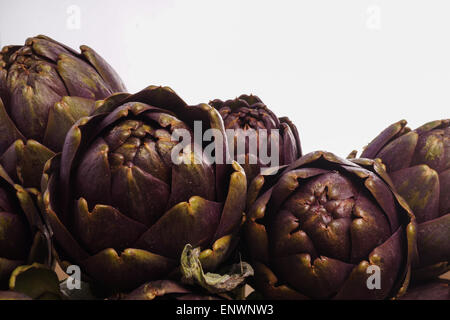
{"x": 192, "y": 271}
{"x": 37, "y": 281}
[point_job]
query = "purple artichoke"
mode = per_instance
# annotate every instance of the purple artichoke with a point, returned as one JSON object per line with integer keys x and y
{"x": 438, "y": 289}
{"x": 23, "y": 237}
{"x": 418, "y": 163}
{"x": 249, "y": 113}
{"x": 12, "y": 295}
{"x": 323, "y": 225}
{"x": 167, "y": 289}
{"x": 121, "y": 208}
{"x": 45, "y": 87}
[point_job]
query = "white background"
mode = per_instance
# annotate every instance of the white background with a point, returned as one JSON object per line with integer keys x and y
{"x": 341, "y": 70}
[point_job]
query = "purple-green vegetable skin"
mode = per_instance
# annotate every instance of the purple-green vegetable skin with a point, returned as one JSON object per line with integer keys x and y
{"x": 418, "y": 163}
{"x": 323, "y": 227}
{"x": 167, "y": 290}
{"x": 45, "y": 87}
{"x": 122, "y": 209}
{"x": 436, "y": 289}
{"x": 248, "y": 112}
{"x": 23, "y": 237}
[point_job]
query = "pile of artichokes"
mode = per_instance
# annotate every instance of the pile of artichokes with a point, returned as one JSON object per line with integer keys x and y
{"x": 88, "y": 182}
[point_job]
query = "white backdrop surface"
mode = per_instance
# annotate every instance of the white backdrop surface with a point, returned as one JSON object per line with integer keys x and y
{"x": 341, "y": 70}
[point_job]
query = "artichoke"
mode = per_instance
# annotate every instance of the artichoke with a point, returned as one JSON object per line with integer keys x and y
{"x": 249, "y": 114}
{"x": 167, "y": 289}
{"x": 12, "y": 295}
{"x": 418, "y": 163}
{"x": 23, "y": 237}
{"x": 438, "y": 289}
{"x": 321, "y": 229}
{"x": 45, "y": 87}
{"x": 35, "y": 281}
{"x": 123, "y": 210}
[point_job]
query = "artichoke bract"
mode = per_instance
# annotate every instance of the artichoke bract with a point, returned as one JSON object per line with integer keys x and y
{"x": 437, "y": 289}
{"x": 23, "y": 236}
{"x": 246, "y": 116}
{"x": 122, "y": 209}
{"x": 45, "y": 87}
{"x": 418, "y": 163}
{"x": 324, "y": 227}
{"x": 168, "y": 290}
